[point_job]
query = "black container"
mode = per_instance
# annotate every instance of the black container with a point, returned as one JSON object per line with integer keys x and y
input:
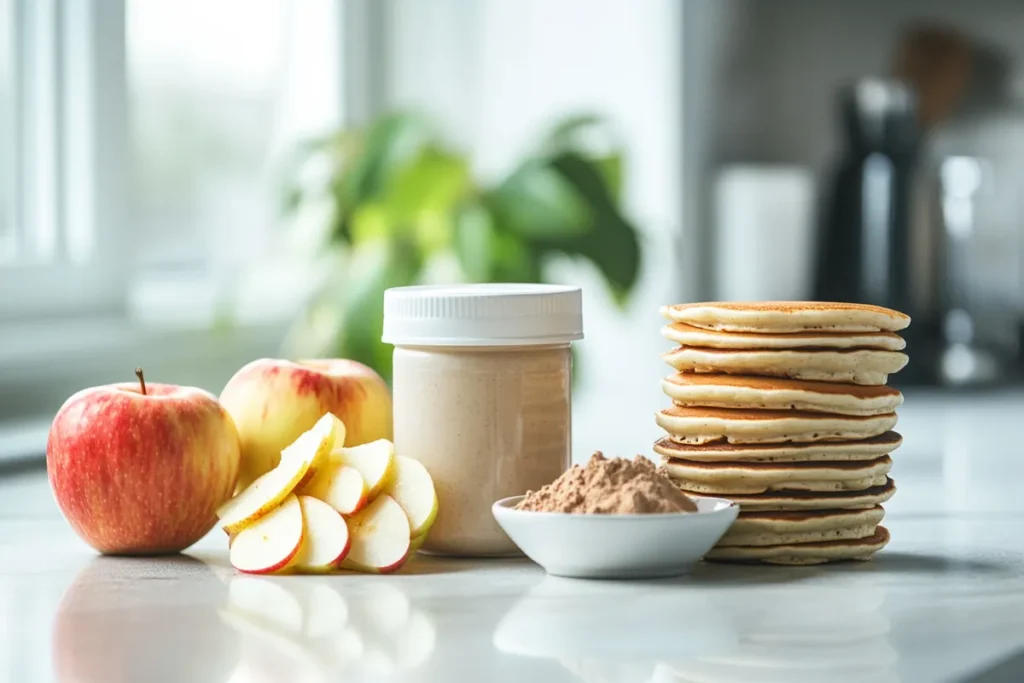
{"x": 879, "y": 237}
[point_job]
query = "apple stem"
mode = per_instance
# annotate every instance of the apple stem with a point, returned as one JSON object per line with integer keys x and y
{"x": 142, "y": 380}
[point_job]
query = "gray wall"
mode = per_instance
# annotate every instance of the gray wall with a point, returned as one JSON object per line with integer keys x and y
{"x": 786, "y": 57}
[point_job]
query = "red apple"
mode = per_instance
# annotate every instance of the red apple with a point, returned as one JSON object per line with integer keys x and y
{"x": 273, "y": 401}
{"x": 140, "y": 469}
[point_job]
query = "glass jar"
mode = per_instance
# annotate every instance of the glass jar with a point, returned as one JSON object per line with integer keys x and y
{"x": 482, "y": 397}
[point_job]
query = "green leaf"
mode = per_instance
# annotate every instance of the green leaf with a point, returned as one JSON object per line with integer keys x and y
{"x": 370, "y": 222}
{"x": 363, "y": 300}
{"x": 611, "y": 168}
{"x": 475, "y": 242}
{"x": 613, "y": 243}
{"x": 514, "y": 261}
{"x": 593, "y": 138}
{"x": 434, "y": 180}
{"x": 294, "y": 188}
{"x": 386, "y": 146}
{"x": 421, "y": 195}
{"x": 433, "y": 231}
{"x": 537, "y": 203}
{"x": 376, "y": 267}
{"x": 567, "y": 133}
{"x": 489, "y": 253}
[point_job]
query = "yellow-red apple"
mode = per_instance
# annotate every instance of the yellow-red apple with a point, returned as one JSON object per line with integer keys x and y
{"x": 272, "y": 401}
{"x": 140, "y": 469}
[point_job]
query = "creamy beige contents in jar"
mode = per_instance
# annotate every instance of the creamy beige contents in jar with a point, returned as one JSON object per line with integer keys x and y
{"x": 482, "y": 396}
{"x": 487, "y": 423}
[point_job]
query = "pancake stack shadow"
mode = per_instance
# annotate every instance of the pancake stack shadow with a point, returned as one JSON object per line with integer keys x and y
{"x": 782, "y": 407}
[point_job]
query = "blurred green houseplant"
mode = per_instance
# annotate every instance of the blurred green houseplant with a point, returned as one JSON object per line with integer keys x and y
{"x": 393, "y": 204}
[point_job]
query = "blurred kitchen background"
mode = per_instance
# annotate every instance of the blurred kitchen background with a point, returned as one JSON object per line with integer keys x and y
{"x": 186, "y": 185}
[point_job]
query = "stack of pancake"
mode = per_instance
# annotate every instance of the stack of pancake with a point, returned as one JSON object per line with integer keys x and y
{"x": 782, "y": 407}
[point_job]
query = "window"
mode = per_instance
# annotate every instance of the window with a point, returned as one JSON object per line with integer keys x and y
{"x": 141, "y": 137}
{"x": 61, "y": 158}
{"x": 7, "y": 175}
{"x": 218, "y": 91}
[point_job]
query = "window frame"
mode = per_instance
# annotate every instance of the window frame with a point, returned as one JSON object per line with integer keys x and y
{"x": 69, "y": 69}
{"x": 64, "y": 300}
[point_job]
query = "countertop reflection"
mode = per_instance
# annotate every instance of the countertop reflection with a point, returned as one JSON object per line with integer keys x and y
{"x": 943, "y": 602}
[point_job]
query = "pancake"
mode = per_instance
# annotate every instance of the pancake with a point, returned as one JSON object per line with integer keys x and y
{"x": 708, "y": 425}
{"x": 806, "y": 500}
{"x": 805, "y": 553}
{"x": 758, "y": 540}
{"x": 771, "y": 393}
{"x": 688, "y": 335}
{"x": 787, "y": 316}
{"x": 781, "y": 528}
{"x": 757, "y": 477}
{"x": 866, "y": 449}
{"x": 859, "y": 366}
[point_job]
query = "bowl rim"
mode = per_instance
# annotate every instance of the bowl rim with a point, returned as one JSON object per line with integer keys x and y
{"x": 505, "y": 505}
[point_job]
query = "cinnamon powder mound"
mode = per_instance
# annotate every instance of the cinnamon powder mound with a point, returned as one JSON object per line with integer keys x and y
{"x": 614, "y": 486}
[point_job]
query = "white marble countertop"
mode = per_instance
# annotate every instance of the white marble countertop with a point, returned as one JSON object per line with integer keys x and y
{"x": 943, "y": 602}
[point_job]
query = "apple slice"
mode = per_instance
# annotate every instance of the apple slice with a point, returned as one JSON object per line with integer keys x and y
{"x": 380, "y": 537}
{"x": 263, "y": 495}
{"x": 340, "y": 486}
{"x": 326, "y": 539}
{"x": 269, "y": 490}
{"x": 336, "y": 431}
{"x": 271, "y": 542}
{"x": 412, "y": 488}
{"x": 374, "y": 461}
{"x": 317, "y": 442}
{"x": 416, "y": 542}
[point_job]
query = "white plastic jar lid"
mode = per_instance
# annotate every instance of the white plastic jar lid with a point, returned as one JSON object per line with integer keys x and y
{"x": 483, "y": 315}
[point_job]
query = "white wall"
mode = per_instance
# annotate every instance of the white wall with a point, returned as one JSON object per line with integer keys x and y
{"x": 498, "y": 72}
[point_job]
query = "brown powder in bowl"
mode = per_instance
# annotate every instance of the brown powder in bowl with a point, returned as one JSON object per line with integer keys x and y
{"x": 613, "y": 486}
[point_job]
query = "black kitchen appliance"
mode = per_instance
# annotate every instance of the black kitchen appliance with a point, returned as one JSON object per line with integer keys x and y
{"x": 880, "y": 238}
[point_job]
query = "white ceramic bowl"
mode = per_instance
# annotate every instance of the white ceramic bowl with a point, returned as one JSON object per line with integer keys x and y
{"x": 616, "y": 546}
